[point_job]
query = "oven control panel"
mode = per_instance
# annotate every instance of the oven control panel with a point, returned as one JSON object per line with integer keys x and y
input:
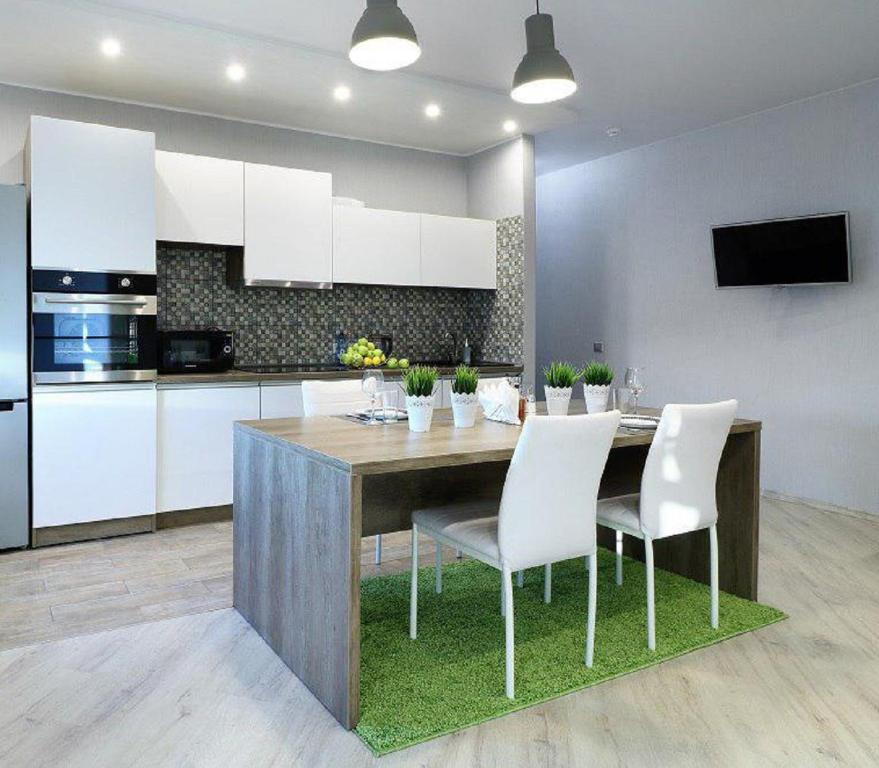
{"x": 70, "y": 281}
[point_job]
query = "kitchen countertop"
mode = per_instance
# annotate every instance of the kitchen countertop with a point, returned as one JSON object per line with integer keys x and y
{"x": 246, "y": 377}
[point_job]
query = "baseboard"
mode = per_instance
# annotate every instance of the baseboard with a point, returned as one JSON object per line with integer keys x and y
{"x": 99, "y": 529}
{"x": 182, "y": 517}
{"x": 822, "y": 505}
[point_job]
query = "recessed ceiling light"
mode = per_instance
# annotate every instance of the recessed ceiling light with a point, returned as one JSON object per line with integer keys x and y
{"x": 236, "y": 72}
{"x": 510, "y": 126}
{"x": 611, "y": 132}
{"x": 433, "y": 111}
{"x": 111, "y": 47}
{"x": 341, "y": 93}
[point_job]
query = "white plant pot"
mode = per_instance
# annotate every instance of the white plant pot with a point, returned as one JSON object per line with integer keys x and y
{"x": 596, "y": 396}
{"x": 557, "y": 400}
{"x": 420, "y": 412}
{"x": 464, "y": 409}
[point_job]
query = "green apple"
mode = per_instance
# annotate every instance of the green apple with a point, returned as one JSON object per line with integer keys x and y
{"x": 376, "y": 352}
{"x": 392, "y": 362}
{"x": 370, "y": 345}
{"x": 362, "y": 341}
{"x": 404, "y": 362}
{"x": 362, "y": 350}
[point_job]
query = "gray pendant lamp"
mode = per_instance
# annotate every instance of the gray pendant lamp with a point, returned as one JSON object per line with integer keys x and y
{"x": 543, "y": 75}
{"x": 384, "y": 39}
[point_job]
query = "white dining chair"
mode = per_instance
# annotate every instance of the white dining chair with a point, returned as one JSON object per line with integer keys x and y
{"x": 677, "y": 492}
{"x": 546, "y": 513}
{"x": 336, "y": 398}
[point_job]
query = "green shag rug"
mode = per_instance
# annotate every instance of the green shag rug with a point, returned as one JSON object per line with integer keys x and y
{"x": 452, "y": 676}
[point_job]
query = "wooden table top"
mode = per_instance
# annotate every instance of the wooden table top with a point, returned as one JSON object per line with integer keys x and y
{"x": 378, "y": 449}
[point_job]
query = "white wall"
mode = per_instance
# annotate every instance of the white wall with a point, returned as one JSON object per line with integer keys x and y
{"x": 624, "y": 256}
{"x": 383, "y": 176}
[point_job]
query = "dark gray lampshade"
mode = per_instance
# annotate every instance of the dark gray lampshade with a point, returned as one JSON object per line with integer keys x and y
{"x": 543, "y": 75}
{"x": 384, "y": 38}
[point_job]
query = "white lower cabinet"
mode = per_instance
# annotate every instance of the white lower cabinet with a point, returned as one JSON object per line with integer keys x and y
{"x": 94, "y": 453}
{"x": 195, "y": 443}
{"x": 280, "y": 401}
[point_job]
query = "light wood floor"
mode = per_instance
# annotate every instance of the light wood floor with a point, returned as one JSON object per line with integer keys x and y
{"x": 202, "y": 689}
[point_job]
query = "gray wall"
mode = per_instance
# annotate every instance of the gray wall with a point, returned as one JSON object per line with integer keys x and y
{"x": 383, "y": 176}
{"x": 495, "y": 181}
{"x": 624, "y": 256}
{"x": 500, "y": 185}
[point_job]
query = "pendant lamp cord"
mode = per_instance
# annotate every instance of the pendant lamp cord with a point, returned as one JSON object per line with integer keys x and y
{"x": 538, "y": 6}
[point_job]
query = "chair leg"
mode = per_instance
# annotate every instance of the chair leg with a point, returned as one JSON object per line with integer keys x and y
{"x": 413, "y": 588}
{"x": 547, "y": 582}
{"x": 509, "y": 665}
{"x": 503, "y": 597}
{"x": 651, "y": 606}
{"x": 592, "y": 561}
{"x": 520, "y": 579}
{"x": 378, "y": 549}
{"x": 619, "y": 558}
{"x": 715, "y": 587}
{"x": 439, "y": 568}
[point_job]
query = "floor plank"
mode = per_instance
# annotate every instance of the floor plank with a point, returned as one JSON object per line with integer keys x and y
{"x": 190, "y": 684}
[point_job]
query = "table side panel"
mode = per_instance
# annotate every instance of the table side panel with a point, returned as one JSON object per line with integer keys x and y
{"x": 296, "y": 565}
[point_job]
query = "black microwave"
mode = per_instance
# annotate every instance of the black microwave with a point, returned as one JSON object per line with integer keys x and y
{"x": 195, "y": 351}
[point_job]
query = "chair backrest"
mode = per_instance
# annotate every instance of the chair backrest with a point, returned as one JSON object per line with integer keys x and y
{"x": 548, "y": 505}
{"x": 333, "y": 398}
{"x": 678, "y": 485}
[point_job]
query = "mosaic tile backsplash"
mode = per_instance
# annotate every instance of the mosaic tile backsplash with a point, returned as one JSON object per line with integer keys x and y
{"x": 274, "y": 325}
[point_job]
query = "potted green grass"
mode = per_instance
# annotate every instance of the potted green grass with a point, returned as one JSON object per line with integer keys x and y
{"x": 560, "y": 380}
{"x": 465, "y": 401}
{"x": 597, "y": 378}
{"x": 419, "y": 383}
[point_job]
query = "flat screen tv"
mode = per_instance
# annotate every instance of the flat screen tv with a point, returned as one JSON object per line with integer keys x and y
{"x": 811, "y": 250}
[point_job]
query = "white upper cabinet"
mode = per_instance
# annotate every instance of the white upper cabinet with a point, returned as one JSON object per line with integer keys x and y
{"x": 458, "y": 253}
{"x": 199, "y": 199}
{"x": 93, "y": 198}
{"x": 376, "y": 247}
{"x": 288, "y": 226}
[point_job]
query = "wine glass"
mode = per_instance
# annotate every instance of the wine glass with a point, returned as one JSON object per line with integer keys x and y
{"x": 635, "y": 384}
{"x": 373, "y": 381}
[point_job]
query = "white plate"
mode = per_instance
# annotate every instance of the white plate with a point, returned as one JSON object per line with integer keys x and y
{"x": 630, "y": 421}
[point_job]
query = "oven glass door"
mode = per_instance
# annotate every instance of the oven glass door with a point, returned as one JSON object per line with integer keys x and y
{"x": 91, "y": 345}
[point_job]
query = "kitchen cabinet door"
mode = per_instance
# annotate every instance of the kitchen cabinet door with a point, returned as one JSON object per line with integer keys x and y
{"x": 458, "y": 253}
{"x": 93, "y": 197}
{"x": 199, "y": 199}
{"x": 195, "y": 443}
{"x": 376, "y": 247}
{"x": 288, "y": 226}
{"x": 94, "y": 453}
{"x": 280, "y": 401}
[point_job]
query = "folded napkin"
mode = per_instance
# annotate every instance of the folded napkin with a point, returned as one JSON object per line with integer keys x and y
{"x": 500, "y": 402}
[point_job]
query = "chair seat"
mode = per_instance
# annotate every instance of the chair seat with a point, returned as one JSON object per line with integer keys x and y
{"x": 621, "y": 512}
{"x": 471, "y": 524}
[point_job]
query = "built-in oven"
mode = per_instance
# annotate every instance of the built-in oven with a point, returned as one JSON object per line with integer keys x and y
{"x": 196, "y": 351}
{"x": 93, "y": 326}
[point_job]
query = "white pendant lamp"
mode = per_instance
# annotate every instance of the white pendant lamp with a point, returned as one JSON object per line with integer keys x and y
{"x": 543, "y": 75}
{"x": 384, "y": 39}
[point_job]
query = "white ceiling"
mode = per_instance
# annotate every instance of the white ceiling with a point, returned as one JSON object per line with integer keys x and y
{"x": 653, "y": 68}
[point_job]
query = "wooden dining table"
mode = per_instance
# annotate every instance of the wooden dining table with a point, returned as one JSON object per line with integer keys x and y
{"x": 306, "y": 490}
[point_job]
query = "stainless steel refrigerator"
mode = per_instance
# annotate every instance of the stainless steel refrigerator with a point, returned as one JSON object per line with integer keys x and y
{"x": 14, "y": 370}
